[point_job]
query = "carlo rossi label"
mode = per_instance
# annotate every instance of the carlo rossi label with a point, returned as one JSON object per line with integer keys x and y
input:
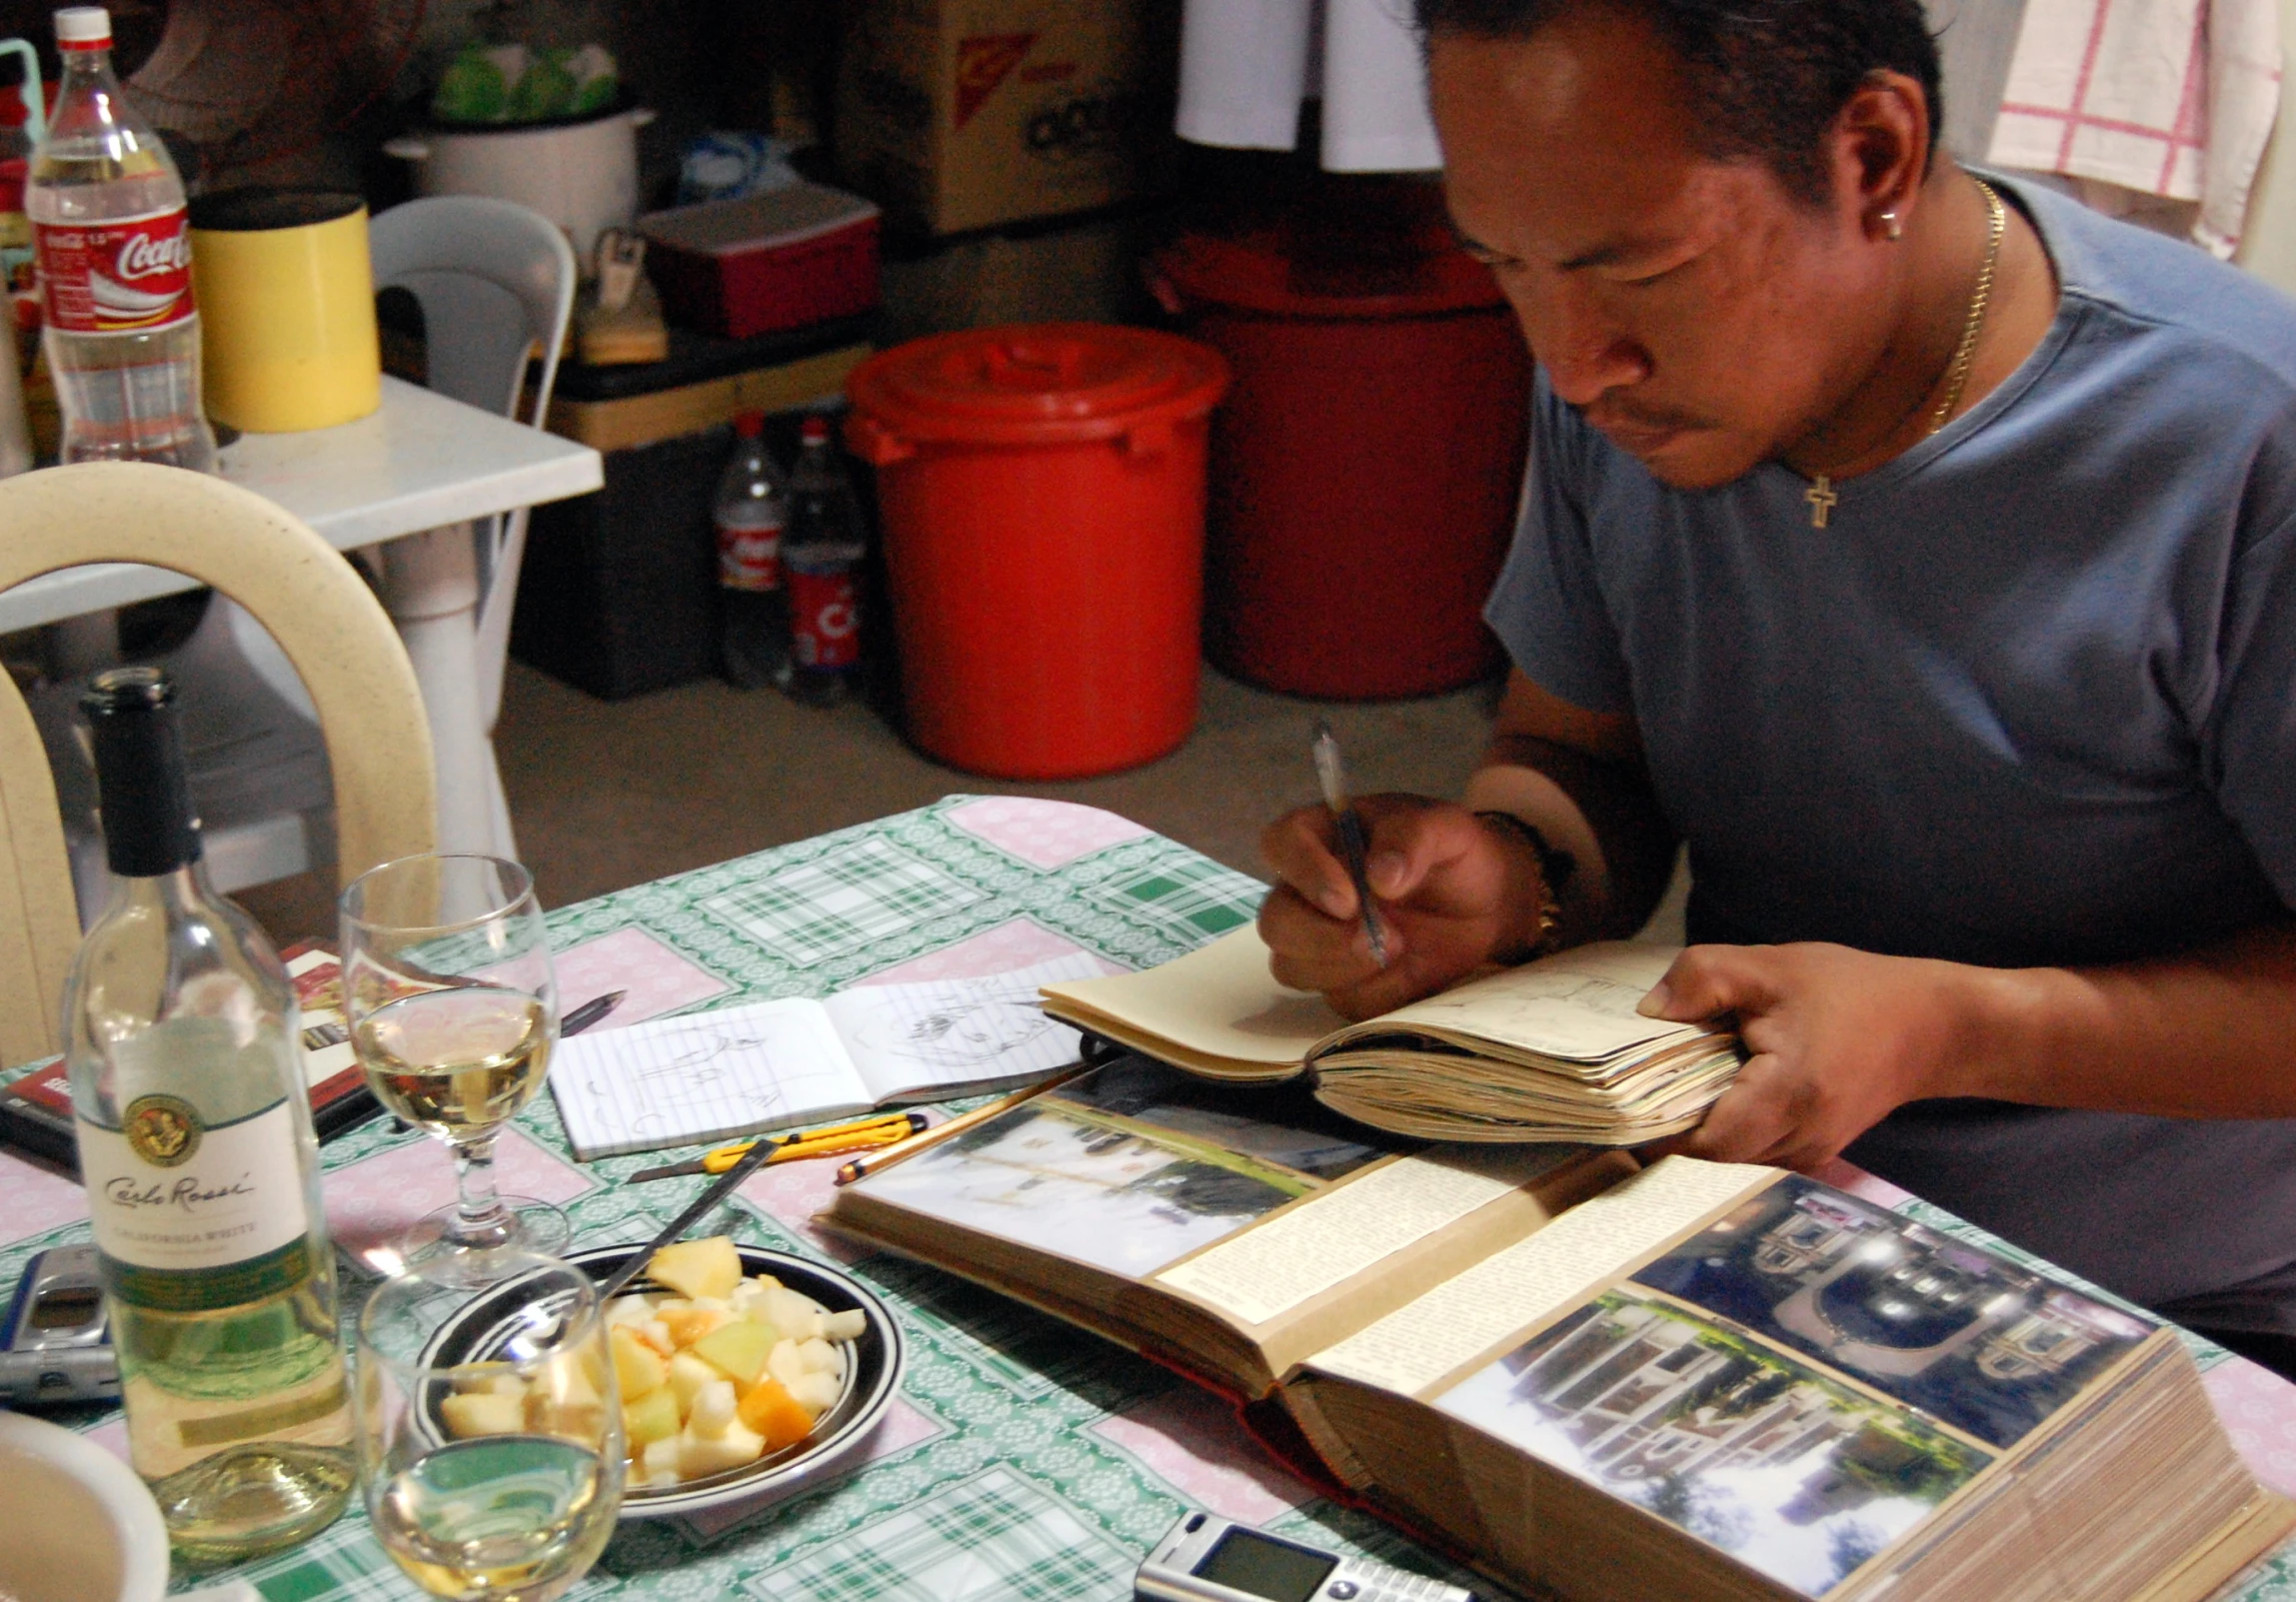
{"x": 129, "y": 274}
{"x": 191, "y": 1215}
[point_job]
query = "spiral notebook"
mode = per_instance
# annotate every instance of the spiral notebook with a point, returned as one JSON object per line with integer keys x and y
{"x": 766, "y": 1065}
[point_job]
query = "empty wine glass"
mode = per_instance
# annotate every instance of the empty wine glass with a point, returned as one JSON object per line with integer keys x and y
{"x": 491, "y": 1445}
{"x": 453, "y": 1009}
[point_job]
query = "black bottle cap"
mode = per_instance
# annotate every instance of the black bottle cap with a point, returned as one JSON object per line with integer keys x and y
{"x": 142, "y": 786}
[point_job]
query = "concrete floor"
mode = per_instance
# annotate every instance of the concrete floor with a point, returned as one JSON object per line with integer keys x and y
{"x": 606, "y": 794}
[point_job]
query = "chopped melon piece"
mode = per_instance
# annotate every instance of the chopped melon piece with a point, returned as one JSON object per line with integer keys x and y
{"x": 565, "y": 1402}
{"x": 783, "y": 1363}
{"x": 486, "y": 1377}
{"x": 660, "y": 1460}
{"x": 688, "y": 1374}
{"x": 651, "y": 1417}
{"x": 713, "y": 1409}
{"x": 820, "y": 1357}
{"x": 656, "y": 1334}
{"x": 632, "y": 1310}
{"x": 689, "y": 1323}
{"x": 817, "y": 1393}
{"x": 738, "y": 1349}
{"x": 799, "y": 1318}
{"x": 770, "y": 1409}
{"x": 484, "y": 1413}
{"x": 699, "y": 1455}
{"x": 848, "y": 1326}
{"x": 638, "y": 1367}
{"x": 709, "y": 1267}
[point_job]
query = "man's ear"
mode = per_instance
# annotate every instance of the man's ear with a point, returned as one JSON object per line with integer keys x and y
{"x": 1880, "y": 149}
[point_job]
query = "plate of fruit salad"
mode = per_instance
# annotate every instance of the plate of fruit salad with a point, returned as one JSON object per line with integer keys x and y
{"x": 740, "y": 1371}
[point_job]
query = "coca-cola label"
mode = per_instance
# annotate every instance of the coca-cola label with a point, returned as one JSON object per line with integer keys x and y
{"x": 750, "y": 559}
{"x": 825, "y": 619}
{"x": 125, "y": 276}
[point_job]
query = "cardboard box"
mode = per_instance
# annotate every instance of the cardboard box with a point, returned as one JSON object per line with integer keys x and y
{"x": 964, "y": 114}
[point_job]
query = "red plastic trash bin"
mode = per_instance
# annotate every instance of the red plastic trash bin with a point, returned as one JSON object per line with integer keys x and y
{"x": 1365, "y": 469}
{"x": 1041, "y": 494}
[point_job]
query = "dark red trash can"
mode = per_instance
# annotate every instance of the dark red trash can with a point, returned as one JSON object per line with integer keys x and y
{"x": 1366, "y": 467}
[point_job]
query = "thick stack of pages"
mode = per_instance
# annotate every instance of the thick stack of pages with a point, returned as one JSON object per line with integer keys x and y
{"x": 1697, "y": 1380}
{"x": 1549, "y": 1051}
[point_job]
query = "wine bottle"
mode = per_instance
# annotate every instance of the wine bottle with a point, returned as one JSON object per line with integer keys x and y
{"x": 201, "y": 1168}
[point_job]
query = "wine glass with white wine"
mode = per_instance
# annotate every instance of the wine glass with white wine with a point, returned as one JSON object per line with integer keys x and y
{"x": 453, "y": 1008}
{"x": 491, "y": 1444}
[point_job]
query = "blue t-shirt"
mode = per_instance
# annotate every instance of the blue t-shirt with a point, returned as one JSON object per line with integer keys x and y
{"x": 2027, "y": 698}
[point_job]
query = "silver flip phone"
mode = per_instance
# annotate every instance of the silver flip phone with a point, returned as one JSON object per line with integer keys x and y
{"x": 54, "y": 1347}
{"x": 1209, "y": 1559}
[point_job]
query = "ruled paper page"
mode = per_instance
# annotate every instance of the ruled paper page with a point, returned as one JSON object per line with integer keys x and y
{"x": 702, "y": 1077}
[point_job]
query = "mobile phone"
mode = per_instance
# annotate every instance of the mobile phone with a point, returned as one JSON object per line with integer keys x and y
{"x": 1209, "y": 1559}
{"x": 55, "y": 1345}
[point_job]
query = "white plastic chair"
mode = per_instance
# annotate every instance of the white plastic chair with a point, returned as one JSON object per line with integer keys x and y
{"x": 495, "y": 280}
{"x": 328, "y": 622}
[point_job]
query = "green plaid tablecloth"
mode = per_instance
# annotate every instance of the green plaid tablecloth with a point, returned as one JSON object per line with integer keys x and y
{"x": 1024, "y": 1460}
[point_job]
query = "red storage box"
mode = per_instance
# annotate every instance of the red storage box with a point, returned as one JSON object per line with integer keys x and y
{"x": 771, "y": 262}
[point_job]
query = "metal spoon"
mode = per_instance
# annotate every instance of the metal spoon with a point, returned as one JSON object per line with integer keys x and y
{"x": 686, "y": 1220}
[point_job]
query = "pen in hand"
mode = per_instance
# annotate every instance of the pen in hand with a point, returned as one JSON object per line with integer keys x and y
{"x": 1353, "y": 845}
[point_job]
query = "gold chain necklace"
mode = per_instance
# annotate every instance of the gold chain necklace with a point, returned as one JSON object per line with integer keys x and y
{"x": 1821, "y": 495}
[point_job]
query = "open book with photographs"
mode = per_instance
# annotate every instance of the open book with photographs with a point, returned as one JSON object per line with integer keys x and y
{"x": 1549, "y": 1050}
{"x": 1598, "y": 1380}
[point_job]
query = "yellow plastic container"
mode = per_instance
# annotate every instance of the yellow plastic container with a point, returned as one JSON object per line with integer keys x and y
{"x": 286, "y": 307}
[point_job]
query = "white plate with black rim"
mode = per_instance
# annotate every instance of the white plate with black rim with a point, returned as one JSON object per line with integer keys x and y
{"x": 872, "y": 1368}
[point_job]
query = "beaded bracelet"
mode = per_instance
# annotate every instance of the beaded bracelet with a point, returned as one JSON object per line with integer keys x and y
{"x": 1554, "y": 869}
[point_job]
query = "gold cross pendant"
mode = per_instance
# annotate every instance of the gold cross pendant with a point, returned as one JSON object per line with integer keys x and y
{"x": 1821, "y": 500}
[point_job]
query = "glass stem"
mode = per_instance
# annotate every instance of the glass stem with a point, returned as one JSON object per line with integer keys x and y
{"x": 481, "y": 1219}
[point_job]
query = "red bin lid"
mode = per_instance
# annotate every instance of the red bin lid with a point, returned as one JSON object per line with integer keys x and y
{"x": 1037, "y": 383}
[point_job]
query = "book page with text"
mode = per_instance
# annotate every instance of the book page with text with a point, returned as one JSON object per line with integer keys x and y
{"x": 1577, "y": 1004}
{"x": 1468, "y": 1316}
{"x": 1218, "y": 1002}
{"x": 1277, "y": 1265}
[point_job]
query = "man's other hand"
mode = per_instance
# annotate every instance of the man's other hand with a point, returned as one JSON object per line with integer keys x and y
{"x": 1450, "y": 894}
{"x": 1836, "y": 1040}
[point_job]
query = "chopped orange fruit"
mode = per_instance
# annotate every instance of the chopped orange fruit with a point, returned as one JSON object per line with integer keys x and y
{"x": 688, "y": 1324}
{"x": 773, "y": 1412}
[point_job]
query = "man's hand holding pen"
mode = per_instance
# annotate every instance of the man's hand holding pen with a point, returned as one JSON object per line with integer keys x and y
{"x": 1451, "y": 894}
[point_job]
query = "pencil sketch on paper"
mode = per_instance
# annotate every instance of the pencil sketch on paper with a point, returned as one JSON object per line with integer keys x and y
{"x": 958, "y": 1034}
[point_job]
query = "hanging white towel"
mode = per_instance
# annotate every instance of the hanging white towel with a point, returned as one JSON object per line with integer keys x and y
{"x": 1246, "y": 64}
{"x": 2164, "y": 97}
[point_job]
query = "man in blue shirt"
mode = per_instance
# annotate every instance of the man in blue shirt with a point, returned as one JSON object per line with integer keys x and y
{"x": 1918, "y": 547}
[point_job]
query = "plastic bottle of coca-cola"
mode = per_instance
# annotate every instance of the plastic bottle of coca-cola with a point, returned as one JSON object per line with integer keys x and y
{"x": 751, "y": 511}
{"x": 107, "y": 210}
{"x": 820, "y": 562}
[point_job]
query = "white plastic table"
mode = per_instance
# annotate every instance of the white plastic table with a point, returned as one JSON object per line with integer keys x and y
{"x": 407, "y": 477}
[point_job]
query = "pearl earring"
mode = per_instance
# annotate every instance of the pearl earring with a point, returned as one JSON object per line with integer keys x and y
{"x": 1889, "y": 221}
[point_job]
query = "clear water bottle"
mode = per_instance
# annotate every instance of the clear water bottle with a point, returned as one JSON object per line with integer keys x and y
{"x": 107, "y": 225}
{"x": 820, "y": 560}
{"x": 751, "y": 511}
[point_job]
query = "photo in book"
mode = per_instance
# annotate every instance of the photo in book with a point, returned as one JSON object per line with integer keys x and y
{"x": 1730, "y": 1441}
{"x": 1130, "y": 1167}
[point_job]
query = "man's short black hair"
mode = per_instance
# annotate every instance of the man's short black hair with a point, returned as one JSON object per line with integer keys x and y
{"x": 1770, "y": 74}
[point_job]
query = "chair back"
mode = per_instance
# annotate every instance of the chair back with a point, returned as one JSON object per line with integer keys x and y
{"x": 495, "y": 280}
{"x": 324, "y": 617}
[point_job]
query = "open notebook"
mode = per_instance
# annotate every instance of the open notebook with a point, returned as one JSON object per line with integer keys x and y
{"x": 769, "y": 1065}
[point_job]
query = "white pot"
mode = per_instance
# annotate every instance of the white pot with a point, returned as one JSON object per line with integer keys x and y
{"x": 80, "y": 1527}
{"x": 583, "y": 174}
